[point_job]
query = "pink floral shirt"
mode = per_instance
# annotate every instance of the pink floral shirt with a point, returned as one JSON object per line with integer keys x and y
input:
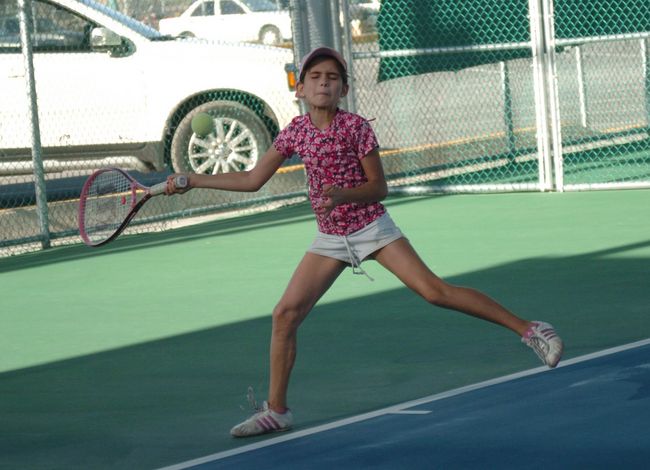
{"x": 333, "y": 156}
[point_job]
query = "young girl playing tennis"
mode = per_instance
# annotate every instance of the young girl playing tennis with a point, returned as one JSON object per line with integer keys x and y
{"x": 346, "y": 183}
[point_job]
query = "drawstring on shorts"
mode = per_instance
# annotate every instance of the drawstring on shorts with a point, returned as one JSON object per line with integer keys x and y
{"x": 354, "y": 260}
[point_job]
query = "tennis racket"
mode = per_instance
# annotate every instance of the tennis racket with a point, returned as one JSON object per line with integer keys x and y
{"x": 109, "y": 200}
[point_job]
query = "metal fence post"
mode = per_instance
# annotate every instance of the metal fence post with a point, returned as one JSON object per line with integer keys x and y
{"x": 540, "y": 90}
{"x": 645, "y": 51}
{"x": 300, "y": 34}
{"x": 316, "y": 15}
{"x": 346, "y": 50}
{"x": 323, "y": 29}
{"x": 507, "y": 108}
{"x": 553, "y": 102}
{"x": 582, "y": 89}
{"x": 26, "y": 27}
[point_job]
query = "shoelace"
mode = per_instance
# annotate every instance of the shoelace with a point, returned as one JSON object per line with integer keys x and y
{"x": 252, "y": 402}
{"x": 539, "y": 346}
{"x": 354, "y": 261}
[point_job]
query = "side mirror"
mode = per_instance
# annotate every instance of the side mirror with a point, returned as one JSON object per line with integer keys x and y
{"x": 103, "y": 38}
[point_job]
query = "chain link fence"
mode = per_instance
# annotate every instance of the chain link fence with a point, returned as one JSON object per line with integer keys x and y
{"x": 479, "y": 95}
{"x": 603, "y": 87}
{"x": 490, "y": 95}
{"x": 112, "y": 91}
{"x": 456, "y": 81}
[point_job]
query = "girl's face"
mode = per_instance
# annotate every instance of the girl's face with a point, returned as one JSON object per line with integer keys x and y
{"x": 323, "y": 85}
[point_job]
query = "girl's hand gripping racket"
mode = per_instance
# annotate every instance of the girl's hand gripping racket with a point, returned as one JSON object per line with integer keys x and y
{"x": 109, "y": 200}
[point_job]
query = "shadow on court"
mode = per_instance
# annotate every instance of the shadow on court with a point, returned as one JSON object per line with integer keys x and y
{"x": 294, "y": 214}
{"x": 126, "y": 243}
{"x": 175, "y": 399}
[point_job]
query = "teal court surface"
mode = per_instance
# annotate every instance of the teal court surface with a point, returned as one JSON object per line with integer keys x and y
{"x": 139, "y": 355}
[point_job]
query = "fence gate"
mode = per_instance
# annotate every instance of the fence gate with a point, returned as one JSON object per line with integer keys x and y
{"x": 599, "y": 51}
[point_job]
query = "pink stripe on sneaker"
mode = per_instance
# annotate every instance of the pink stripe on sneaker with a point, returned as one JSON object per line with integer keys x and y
{"x": 261, "y": 423}
{"x": 274, "y": 423}
{"x": 268, "y": 423}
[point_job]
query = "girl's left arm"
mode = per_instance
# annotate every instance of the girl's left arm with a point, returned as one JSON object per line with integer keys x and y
{"x": 374, "y": 190}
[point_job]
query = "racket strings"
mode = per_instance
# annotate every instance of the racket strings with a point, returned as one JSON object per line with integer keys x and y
{"x": 109, "y": 199}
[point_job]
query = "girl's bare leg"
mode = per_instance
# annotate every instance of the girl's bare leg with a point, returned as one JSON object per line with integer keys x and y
{"x": 401, "y": 259}
{"x": 311, "y": 279}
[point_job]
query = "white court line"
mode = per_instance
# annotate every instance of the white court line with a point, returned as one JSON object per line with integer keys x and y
{"x": 400, "y": 408}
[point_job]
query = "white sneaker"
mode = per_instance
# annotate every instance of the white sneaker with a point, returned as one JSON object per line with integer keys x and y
{"x": 543, "y": 339}
{"x": 264, "y": 421}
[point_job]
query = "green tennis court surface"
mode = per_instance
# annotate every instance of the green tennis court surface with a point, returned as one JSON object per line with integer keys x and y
{"x": 139, "y": 355}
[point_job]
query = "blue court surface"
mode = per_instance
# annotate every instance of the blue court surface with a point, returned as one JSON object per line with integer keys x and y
{"x": 591, "y": 412}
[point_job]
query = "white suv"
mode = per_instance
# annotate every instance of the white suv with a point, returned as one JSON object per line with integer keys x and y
{"x": 231, "y": 20}
{"x": 110, "y": 86}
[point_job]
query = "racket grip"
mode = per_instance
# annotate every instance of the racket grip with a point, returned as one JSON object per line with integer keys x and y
{"x": 180, "y": 182}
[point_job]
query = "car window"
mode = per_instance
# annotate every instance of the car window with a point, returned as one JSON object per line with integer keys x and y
{"x": 54, "y": 30}
{"x": 205, "y": 9}
{"x": 11, "y": 26}
{"x": 230, "y": 8}
{"x": 45, "y": 25}
{"x": 261, "y": 5}
{"x": 9, "y": 30}
{"x": 59, "y": 30}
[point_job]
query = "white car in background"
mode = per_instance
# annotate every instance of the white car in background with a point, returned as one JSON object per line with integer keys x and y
{"x": 109, "y": 86}
{"x": 231, "y": 20}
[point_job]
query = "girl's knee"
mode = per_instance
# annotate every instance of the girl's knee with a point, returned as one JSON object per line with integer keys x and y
{"x": 286, "y": 318}
{"x": 438, "y": 294}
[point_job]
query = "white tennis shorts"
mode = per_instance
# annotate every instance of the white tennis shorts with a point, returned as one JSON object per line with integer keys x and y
{"x": 357, "y": 246}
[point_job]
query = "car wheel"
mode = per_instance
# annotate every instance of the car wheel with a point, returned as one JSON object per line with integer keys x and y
{"x": 270, "y": 36}
{"x": 238, "y": 140}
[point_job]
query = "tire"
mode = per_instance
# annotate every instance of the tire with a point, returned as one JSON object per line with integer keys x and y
{"x": 236, "y": 144}
{"x": 270, "y": 36}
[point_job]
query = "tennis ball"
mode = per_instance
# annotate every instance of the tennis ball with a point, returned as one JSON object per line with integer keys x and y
{"x": 202, "y": 124}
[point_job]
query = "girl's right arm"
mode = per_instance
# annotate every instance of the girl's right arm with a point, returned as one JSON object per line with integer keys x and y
{"x": 242, "y": 181}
